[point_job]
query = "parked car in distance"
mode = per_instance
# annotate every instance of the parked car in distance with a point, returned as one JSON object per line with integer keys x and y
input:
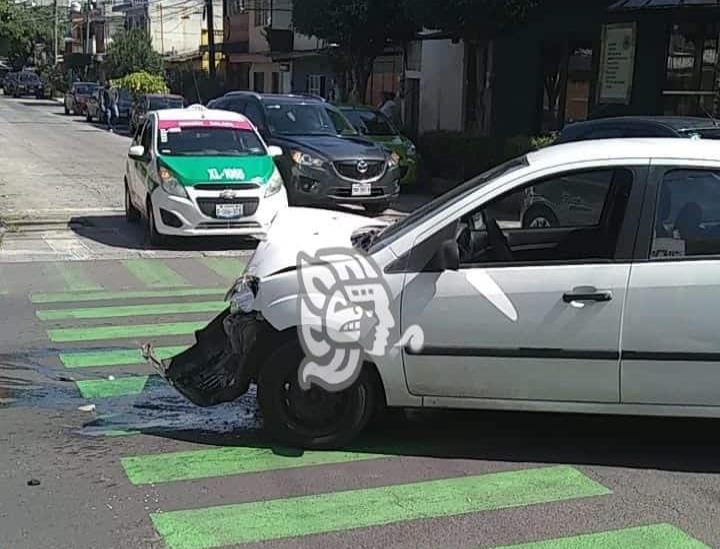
{"x": 572, "y": 319}
{"x": 7, "y": 82}
{"x": 372, "y": 123}
{"x": 25, "y": 83}
{"x": 152, "y": 102}
{"x": 77, "y": 96}
{"x": 4, "y": 71}
{"x": 202, "y": 172}
{"x": 325, "y": 160}
{"x": 94, "y": 110}
{"x": 558, "y": 205}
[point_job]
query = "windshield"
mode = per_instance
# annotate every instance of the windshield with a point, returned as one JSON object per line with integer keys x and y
{"x": 392, "y": 232}
{"x": 85, "y": 89}
{"x": 706, "y": 133}
{"x": 159, "y": 103}
{"x": 371, "y": 122}
{"x": 204, "y": 141}
{"x": 306, "y": 119}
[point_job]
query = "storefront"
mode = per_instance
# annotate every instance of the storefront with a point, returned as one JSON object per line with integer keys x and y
{"x": 601, "y": 58}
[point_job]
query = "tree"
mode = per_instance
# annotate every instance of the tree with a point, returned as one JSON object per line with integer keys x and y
{"x": 24, "y": 27}
{"x": 358, "y": 30}
{"x": 131, "y": 51}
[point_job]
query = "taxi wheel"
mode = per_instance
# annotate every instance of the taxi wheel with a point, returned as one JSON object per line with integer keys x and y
{"x": 131, "y": 212}
{"x": 313, "y": 418}
{"x": 151, "y": 233}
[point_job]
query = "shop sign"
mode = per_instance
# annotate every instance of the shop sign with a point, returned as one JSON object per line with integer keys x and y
{"x": 617, "y": 64}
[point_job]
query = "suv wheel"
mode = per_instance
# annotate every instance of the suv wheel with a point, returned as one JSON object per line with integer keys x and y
{"x": 315, "y": 418}
{"x": 539, "y": 217}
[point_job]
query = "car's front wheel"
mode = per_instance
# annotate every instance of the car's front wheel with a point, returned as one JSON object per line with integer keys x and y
{"x": 313, "y": 418}
{"x": 151, "y": 233}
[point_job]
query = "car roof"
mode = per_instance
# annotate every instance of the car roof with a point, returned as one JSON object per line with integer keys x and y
{"x": 276, "y": 96}
{"x": 627, "y": 148}
{"x": 677, "y": 123}
{"x": 195, "y": 112}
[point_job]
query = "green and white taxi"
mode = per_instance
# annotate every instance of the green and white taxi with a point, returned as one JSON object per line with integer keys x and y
{"x": 202, "y": 172}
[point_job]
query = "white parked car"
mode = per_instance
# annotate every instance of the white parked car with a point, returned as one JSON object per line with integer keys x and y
{"x": 460, "y": 305}
{"x": 200, "y": 172}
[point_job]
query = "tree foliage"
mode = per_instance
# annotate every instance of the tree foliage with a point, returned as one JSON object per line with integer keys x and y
{"x": 23, "y": 27}
{"x": 359, "y": 30}
{"x": 139, "y": 83}
{"x": 131, "y": 51}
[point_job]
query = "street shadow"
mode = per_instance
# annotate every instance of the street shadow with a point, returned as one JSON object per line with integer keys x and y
{"x": 40, "y": 103}
{"x": 116, "y": 232}
{"x": 121, "y": 128}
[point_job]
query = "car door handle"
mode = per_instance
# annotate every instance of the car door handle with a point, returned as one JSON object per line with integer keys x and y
{"x": 587, "y": 294}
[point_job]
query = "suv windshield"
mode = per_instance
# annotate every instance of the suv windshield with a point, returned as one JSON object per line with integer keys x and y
{"x": 371, "y": 122}
{"x": 158, "y": 103}
{"x": 287, "y": 118}
{"x": 204, "y": 141}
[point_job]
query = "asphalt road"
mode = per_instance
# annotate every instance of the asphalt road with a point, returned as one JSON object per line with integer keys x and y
{"x": 96, "y": 452}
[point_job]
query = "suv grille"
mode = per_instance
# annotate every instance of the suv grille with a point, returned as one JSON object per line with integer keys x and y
{"x": 341, "y": 192}
{"x": 207, "y": 205}
{"x": 349, "y": 169}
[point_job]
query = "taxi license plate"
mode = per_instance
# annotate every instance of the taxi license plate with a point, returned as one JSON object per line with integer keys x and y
{"x": 362, "y": 189}
{"x": 228, "y": 211}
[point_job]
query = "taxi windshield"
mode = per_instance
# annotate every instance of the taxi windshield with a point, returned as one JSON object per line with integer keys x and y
{"x": 208, "y": 141}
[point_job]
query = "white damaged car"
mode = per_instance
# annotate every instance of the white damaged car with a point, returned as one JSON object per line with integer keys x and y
{"x": 461, "y": 305}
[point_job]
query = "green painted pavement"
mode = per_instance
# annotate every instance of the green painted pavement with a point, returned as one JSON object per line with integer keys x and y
{"x": 105, "y": 388}
{"x": 75, "y": 277}
{"x": 322, "y": 513}
{"x": 98, "y": 333}
{"x": 154, "y": 273}
{"x": 69, "y": 297}
{"x": 227, "y": 267}
{"x": 656, "y": 536}
{"x": 119, "y": 357}
{"x": 216, "y": 462}
{"x": 132, "y": 310}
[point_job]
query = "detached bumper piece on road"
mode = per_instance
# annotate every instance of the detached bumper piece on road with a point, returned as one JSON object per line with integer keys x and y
{"x": 217, "y": 368}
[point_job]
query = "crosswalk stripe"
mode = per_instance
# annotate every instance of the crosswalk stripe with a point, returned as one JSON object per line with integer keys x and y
{"x": 322, "y": 513}
{"x": 75, "y": 277}
{"x": 70, "y": 297}
{"x": 217, "y": 462}
{"x": 229, "y": 268}
{"x": 132, "y": 310}
{"x": 98, "y": 333}
{"x": 115, "y": 357}
{"x": 154, "y": 273}
{"x": 92, "y": 389}
{"x": 656, "y": 536}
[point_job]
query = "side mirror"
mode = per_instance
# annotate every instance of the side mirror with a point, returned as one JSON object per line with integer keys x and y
{"x": 446, "y": 258}
{"x": 275, "y": 151}
{"x": 137, "y": 152}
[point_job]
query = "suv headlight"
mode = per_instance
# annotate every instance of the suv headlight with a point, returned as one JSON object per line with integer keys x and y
{"x": 306, "y": 159}
{"x": 275, "y": 184}
{"x": 394, "y": 160}
{"x": 170, "y": 183}
{"x": 242, "y": 294}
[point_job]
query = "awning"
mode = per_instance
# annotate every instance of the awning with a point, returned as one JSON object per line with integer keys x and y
{"x": 249, "y": 58}
{"x": 667, "y": 4}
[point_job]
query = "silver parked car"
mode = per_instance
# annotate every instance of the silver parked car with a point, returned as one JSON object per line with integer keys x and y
{"x": 463, "y": 305}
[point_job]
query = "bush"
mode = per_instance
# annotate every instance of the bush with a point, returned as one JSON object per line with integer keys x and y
{"x": 459, "y": 156}
{"x": 139, "y": 83}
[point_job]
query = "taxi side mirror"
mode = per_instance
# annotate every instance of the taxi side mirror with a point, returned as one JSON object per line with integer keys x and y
{"x": 275, "y": 151}
{"x": 137, "y": 152}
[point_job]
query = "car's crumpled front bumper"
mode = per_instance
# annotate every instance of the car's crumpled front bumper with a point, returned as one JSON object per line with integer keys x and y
{"x": 221, "y": 364}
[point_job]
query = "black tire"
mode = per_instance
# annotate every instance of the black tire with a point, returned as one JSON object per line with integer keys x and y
{"x": 540, "y": 217}
{"x": 132, "y": 214}
{"x": 285, "y": 406}
{"x": 151, "y": 233}
{"x": 376, "y": 208}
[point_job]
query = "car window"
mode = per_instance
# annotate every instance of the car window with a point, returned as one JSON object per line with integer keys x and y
{"x": 146, "y": 139}
{"x": 687, "y": 216}
{"x": 574, "y": 216}
{"x": 370, "y": 122}
{"x": 253, "y": 112}
{"x": 159, "y": 103}
{"x": 232, "y": 104}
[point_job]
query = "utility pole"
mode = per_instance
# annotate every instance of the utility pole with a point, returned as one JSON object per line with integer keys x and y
{"x": 87, "y": 29}
{"x": 162, "y": 30}
{"x": 55, "y": 33}
{"x": 211, "y": 35}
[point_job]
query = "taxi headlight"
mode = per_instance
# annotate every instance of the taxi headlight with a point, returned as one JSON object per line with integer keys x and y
{"x": 242, "y": 295}
{"x": 275, "y": 184}
{"x": 170, "y": 184}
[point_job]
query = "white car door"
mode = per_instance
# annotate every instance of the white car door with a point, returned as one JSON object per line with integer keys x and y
{"x": 671, "y": 350}
{"x": 533, "y": 313}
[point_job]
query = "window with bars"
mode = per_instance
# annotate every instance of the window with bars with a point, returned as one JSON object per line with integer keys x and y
{"x": 262, "y": 13}
{"x": 316, "y": 84}
{"x": 236, "y": 7}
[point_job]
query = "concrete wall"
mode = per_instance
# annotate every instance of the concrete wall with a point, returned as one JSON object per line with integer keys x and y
{"x": 441, "y": 86}
{"x": 177, "y": 29}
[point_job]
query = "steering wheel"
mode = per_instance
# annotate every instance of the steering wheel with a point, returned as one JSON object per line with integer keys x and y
{"x": 499, "y": 241}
